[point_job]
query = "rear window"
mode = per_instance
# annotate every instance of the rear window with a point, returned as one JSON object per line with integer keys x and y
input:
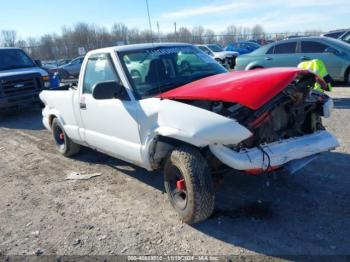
{"x": 313, "y": 47}
{"x": 285, "y": 48}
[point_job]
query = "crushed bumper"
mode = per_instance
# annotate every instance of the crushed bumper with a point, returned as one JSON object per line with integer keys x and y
{"x": 280, "y": 152}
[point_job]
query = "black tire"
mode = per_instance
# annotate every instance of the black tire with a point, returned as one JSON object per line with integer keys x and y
{"x": 187, "y": 168}
{"x": 347, "y": 77}
{"x": 63, "y": 143}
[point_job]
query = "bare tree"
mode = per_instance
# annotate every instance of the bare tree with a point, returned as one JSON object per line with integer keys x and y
{"x": 230, "y": 34}
{"x": 209, "y": 37}
{"x": 120, "y": 32}
{"x": 8, "y": 38}
{"x": 147, "y": 36}
{"x": 184, "y": 35}
{"x": 257, "y": 32}
{"x": 197, "y": 34}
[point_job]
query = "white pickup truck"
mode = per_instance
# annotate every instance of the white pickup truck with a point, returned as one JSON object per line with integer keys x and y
{"x": 192, "y": 120}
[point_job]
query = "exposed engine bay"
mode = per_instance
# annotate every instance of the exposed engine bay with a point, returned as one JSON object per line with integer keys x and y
{"x": 294, "y": 112}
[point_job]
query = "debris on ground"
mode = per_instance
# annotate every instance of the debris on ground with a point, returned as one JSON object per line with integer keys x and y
{"x": 35, "y": 233}
{"x": 102, "y": 237}
{"x": 76, "y": 242}
{"x": 39, "y": 252}
{"x": 78, "y": 176}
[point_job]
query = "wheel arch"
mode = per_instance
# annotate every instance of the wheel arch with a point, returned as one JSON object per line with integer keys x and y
{"x": 346, "y": 75}
{"x": 161, "y": 146}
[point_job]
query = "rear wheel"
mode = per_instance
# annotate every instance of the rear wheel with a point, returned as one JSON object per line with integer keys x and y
{"x": 63, "y": 143}
{"x": 347, "y": 77}
{"x": 189, "y": 184}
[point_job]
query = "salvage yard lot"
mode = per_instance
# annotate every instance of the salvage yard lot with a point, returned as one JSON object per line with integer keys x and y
{"x": 126, "y": 211}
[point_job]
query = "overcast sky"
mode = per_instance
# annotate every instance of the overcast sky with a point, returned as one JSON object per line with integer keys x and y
{"x": 37, "y": 17}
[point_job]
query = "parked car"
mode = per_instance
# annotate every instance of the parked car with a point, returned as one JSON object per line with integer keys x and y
{"x": 341, "y": 34}
{"x": 220, "y": 55}
{"x": 192, "y": 123}
{"x": 72, "y": 69}
{"x": 21, "y": 79}
{"x": 336, "y": 33}
{"x": 289, "y": 53}
{"x": 242, "y": 47}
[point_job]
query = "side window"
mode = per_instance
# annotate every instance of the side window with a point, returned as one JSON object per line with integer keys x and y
{"x": 99, "y": 68}
{"x": 285, "y": 48}
{"x": 270, "y": 51}
{"x": 312, "y": 47}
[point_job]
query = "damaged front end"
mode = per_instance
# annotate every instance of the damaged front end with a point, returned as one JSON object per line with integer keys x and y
{"x": 285, "y": 129}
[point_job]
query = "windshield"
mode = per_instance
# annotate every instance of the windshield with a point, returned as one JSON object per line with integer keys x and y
{"x": 14, "y": 58}
{"x": 156, "y": 70}
{"x": 215, "y": 48}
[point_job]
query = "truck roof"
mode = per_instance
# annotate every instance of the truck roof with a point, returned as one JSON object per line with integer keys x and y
{"x": 123, "y": 48}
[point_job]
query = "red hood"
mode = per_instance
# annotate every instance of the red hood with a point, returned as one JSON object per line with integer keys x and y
{"x": 249, "y": 88}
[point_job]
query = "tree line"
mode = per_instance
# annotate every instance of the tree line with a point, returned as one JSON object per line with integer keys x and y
{"x": 65, "y": 45}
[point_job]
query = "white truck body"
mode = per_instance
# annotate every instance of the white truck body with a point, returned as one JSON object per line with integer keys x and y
{"x": 127, "y": 129}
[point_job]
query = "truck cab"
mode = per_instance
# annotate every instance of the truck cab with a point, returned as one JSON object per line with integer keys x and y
{"x": 21, "y": 79}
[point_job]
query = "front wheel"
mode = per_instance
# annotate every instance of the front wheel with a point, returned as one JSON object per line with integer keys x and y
{"x": 189, "y": 185}
{"x": 63, "y": 143}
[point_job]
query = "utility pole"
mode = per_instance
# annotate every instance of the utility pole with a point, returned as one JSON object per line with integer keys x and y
{"x": 158, "y": 32}
{"x": 149, "y": 20}
{"x": 175, "y": 31}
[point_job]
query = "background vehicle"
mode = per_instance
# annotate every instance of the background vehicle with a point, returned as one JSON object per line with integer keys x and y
{"x": 72, "y": 69}
{"x": 341, "y": 34}
{"x": 191, "y": 121}
{"x": 242, "y": 47}
{"x": 21, "y": 79}
{"x": 219, "y": 54}
{"x": 289, "y": 53}
{"x": 336, "y": 33}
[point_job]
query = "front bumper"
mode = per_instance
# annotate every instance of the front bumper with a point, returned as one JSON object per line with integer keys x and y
{"x": 279, "y": 152}
{"x": 8, "y": 103}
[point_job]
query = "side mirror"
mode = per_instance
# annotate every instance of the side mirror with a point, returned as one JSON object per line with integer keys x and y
{"x": 107, "y": 90}
{"x": 38, "y": 63}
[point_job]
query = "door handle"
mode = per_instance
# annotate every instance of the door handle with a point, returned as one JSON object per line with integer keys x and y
{"x": 268, "y": 58}
{"x": 82, "y": 105}
{"x": 305, "y": 58}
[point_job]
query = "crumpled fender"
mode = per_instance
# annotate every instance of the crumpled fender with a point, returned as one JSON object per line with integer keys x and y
{"x": 198, "y": 126}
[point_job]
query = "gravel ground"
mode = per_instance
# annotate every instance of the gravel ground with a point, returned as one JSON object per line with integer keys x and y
{"x": 125, "y": 210}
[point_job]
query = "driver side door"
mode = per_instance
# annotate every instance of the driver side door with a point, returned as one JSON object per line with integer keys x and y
{"x": 109, "y": 125}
